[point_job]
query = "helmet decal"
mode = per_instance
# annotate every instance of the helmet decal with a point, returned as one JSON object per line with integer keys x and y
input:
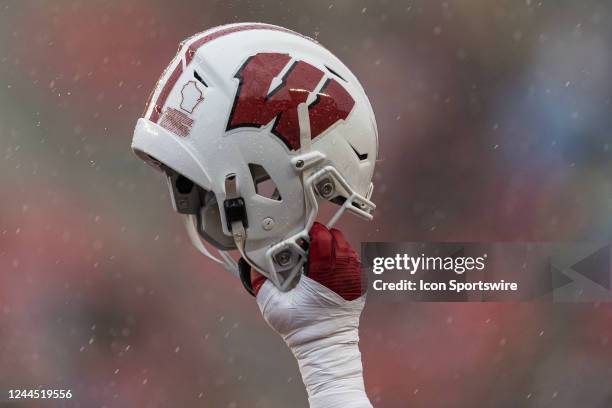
{"x": 165, "y": 92}
{"x": 191, "y": 96}
{"x": 176, "y": 122}
{"x": 200, "y": 40}
{"x": 254, "y": 106}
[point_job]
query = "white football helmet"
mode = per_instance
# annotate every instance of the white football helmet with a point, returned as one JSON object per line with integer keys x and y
{"x": 253, "y": 124}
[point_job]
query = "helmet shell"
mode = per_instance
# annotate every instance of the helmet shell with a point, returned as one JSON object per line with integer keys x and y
{"x": 190, "y": 123}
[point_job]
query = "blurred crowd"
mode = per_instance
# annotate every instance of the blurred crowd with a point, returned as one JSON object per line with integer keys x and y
{"x": 494, "y": 120}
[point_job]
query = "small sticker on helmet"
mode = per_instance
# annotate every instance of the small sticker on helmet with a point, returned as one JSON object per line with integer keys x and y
{"x": 176, "y": 122}
{"x": 191, "y": 96}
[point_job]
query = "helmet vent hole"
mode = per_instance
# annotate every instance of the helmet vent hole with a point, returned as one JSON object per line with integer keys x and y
{"x": 335, "y": 73}
{"x": 264, "y": 185}
{"x": 199, "y": 78}
{"x": 360, "y": 156}
{"x": 184, "y": 185}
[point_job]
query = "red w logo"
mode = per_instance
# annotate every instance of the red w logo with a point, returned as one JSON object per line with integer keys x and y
{"x": 254, "y": 106}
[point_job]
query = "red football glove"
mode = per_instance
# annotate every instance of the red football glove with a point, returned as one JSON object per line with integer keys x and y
{"x": 332, "y": 262}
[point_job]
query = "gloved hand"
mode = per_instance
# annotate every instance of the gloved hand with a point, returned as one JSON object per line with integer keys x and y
{"x": 319, "y": 320}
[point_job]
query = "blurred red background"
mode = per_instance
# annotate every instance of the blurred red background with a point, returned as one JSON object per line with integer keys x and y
{"x": 494, "y": 121}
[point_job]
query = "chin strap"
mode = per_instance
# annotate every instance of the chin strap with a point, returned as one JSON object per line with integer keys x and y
{"x": 235, "y": 214}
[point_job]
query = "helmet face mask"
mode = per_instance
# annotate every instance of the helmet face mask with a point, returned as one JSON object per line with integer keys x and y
{"x": 253, "y": 127}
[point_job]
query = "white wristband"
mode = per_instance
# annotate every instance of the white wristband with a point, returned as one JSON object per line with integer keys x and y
{"x": 321, "y": 329}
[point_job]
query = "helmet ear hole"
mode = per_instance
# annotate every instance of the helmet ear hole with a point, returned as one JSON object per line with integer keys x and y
{"x": 185, "y": 197}
{"x": 183, "y": 184}
{"x": 264, "y": 185}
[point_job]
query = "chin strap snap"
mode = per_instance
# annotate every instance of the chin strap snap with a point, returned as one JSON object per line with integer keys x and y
{"x": 236, "y": 217}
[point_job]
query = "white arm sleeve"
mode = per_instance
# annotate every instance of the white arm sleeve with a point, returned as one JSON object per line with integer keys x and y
{"x": 321, "y": 329}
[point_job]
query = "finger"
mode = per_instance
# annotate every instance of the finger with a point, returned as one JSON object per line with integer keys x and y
{"x": 320, "y": 255}
{"x": 347, "y": 280}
